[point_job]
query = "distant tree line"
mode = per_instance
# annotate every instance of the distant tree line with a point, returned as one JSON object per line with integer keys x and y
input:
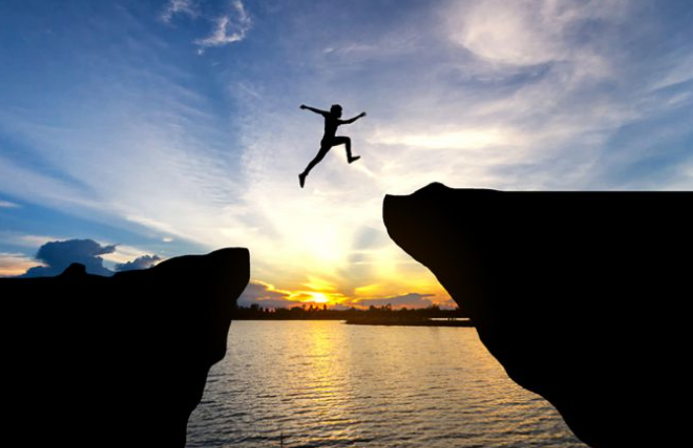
{"x": 313, "y": 312}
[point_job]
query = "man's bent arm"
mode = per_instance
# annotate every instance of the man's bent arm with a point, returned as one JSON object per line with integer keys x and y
{"x": 351, "y": 120}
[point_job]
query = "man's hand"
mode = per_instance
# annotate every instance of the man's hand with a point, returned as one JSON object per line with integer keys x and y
{"x": 303, "y": 107}
{"x": 363, "y": 114}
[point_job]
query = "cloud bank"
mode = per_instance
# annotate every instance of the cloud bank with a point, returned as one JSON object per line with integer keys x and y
{"x": 57, "y": 256}
{"x": 144, "y": 262}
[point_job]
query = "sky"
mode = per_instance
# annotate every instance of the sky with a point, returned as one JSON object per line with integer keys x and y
{"x": 157, "y": 128}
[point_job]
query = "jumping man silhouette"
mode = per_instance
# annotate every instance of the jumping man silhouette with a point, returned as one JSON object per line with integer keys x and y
{"x": 330, "y": 139}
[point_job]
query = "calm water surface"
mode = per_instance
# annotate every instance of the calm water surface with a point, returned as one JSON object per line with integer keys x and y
{"x": 326, "y": 384}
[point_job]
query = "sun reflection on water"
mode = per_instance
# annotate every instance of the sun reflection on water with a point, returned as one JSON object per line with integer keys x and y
{"x": 328, "y": 384}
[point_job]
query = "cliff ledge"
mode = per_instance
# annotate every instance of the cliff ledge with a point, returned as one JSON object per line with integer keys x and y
{"x": 579, "y": 295}
{"x": 95, "y": 361}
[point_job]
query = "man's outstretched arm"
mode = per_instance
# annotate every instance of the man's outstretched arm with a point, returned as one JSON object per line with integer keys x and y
{"x": 312, "y": 109}
{"x": 351, "y": 120}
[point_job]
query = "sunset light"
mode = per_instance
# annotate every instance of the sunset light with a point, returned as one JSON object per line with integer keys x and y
{"x": 271, "y": 194}
{"x": 319, "y": 297}
{"x": 184, "y": 166}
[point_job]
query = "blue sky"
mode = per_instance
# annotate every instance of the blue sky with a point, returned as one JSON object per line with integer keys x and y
{"x": 172, "y": 126}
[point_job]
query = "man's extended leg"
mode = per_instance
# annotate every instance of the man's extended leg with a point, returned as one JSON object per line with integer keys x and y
{"x": 318, "y": 158}
{"x": 347, "y": 142}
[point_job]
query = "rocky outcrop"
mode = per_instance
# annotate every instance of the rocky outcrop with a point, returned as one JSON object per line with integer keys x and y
{"x": 580, "y": 296}
{"x": 93, "y": 361}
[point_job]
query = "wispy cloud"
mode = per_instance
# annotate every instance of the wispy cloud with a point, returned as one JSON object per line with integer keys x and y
{"x": 29, "y": 184}
{"x": 411, "y": 300}
{"x": 528, "y": 32}
{"x": 570, "y": 76}
{"x": 7, "y": 204}
{"x": 23, "y": 240}
{"x": 229, "y": 28}
{"x": 176, "y": 7}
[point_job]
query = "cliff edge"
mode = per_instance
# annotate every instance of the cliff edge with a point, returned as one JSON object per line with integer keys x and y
{"x": 579, "y": 295}
{"x": 119, "y": 361}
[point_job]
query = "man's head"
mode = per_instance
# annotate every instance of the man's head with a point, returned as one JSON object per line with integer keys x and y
{"x": 336, "y": 110}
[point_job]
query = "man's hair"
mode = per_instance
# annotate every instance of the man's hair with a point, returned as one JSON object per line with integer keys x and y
{"x": 335, "y": 108}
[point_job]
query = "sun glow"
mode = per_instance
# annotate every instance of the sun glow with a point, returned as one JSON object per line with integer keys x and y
{"x": 319, "y": 297}
{"x": 360, "y": 298}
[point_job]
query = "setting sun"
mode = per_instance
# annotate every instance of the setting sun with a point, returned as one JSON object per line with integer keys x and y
{"x": 319, "y": 297}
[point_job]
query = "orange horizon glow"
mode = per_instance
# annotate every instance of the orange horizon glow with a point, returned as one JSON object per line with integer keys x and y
{"x": 321, "y": 293}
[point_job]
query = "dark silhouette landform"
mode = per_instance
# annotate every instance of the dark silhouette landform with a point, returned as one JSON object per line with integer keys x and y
{"x": 95, "y": 361}
{"x": 580, "y": 296}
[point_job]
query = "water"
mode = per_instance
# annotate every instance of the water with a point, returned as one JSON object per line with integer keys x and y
{"x": 327, "y": 384}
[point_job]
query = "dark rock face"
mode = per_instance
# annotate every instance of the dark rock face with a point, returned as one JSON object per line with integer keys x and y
{"x": 580, "y": 296}
{"x": 120, "y": 361}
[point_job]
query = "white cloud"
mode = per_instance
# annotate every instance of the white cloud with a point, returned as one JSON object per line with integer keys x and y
{"x": 124, "y": 254}
{"x": 175, "y": 7}
{"x": 504, "y": 31}
{"x": 141, "y": 263}
{"x": 7, "y": 204}
{"x": 527, "y": 32}
{"x": 229, "y": 28}
{"x": 34, "y": 240}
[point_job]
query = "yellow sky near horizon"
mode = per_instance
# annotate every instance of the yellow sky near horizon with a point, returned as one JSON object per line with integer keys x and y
{"x": 377, "y": 294}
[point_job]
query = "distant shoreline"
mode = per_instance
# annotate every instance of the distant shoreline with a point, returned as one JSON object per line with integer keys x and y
{"x": 459, "y": 323}
{"x": 432, "y": 316}
{"x": 466, "y": 323}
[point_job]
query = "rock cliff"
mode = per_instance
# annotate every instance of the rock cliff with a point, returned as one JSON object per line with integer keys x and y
{"x": 92, "y": 361}
{"x": 580, "y": 296}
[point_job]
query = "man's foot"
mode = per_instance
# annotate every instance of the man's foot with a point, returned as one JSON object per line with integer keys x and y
{"x": 354, "y": 159}
{"x": 302, "y": 179}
